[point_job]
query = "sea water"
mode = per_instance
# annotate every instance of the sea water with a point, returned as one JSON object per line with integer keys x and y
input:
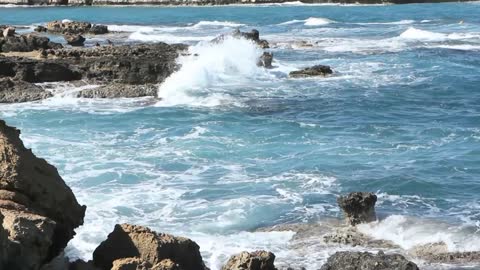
{"x": 232, "y": 147}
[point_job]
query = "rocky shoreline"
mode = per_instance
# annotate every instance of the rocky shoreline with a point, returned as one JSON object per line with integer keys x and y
{"x": 205, "y": 2}
{"x": 39, "y": 213}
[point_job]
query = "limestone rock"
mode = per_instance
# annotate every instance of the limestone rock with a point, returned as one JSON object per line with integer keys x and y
{"x": 40, "y": 211}
{"x": 257, "y": 260}
{"x": 358, "y": 207}
{"x": 318, "y": 70}
{"x": 26, "y": 43}
{"x": 347, "y": 260}
{"x": 75, "y": 28}
{"x": 120, "y": 90}
{"x": 130, "y": 241}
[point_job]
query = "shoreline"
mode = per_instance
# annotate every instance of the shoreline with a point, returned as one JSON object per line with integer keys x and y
{"x": 222, "y": 3}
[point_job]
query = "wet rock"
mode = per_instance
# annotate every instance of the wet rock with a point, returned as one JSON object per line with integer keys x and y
{"x": 8, "y": 32}
{"x": 75, "y": 28}
{"x": 120, "y": 90}
{"x": 352, "y": 237}
{"x": 130, "y": 241}
{"x": 40, "y": 211}
{"x": 438, "y": 253}
{"x": 265, "y": 60}
{"x": 12, "y": 91}
{"x": 253, "y": 35}
{"x": 75, "y": 40}
{"x": 40, "y": 28}
{"x": 257, "y": 260}
{"x": 347, "y": 260}
{"x": 26, "y": 43}
{"x": 318, "y": 70}
{"x": 358, "y": 207}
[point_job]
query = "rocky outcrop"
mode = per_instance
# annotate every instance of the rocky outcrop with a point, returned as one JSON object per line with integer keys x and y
{"x": 257, "y": 260}
{"x": 265, "y": 60}
{"x": 347, "y": 260}
{"x": 120, "y": 90}
{"x": 75, "y": 40}
{"x": 40, "y": 211}
{"x": 147, "y": 248}
{"x": 253, "y": 35}
{"x": 26, "y": 43}
{"x": 318, "y": 70}
{"x": 75, "y": 28}
{"x": 8, "y": 32}
{"x": 12, "y": 91}
{"x": 358, "y": 207}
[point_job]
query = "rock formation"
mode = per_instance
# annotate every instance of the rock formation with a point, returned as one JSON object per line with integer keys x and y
{"x": 367, "y": 261}
{"x": 39, "y": 210}
{"x": 75, "y": 40}
{"x": 358, "y": 207}
{"x": 146, "y": 247}
{"x": 12, "y": 91}
{"x": 318, "y": 70}
{"x": 265, "y": 60}
{"x": 257, "y": 260}
{"x": 75, "y": 28}
{"x": 26, "y": 43}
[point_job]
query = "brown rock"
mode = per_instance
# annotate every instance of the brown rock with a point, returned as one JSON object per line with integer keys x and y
{"x": 14, "y": 91}
{"x": 40, "y": 211}
{"x": 350, "y": 260}
{"x": 130, "y": 241}
{"x": 318, "y": 70}
{"x": 257, "y": 260}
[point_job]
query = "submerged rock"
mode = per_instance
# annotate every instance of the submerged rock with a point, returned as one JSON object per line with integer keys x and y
{"x": 318, "y": 70}
{"x": 257, "y": 260}
{"x": 147, "y": 247}
{"x": 347, "y": 260}
{"x": 358, "y": 207}
{"x": 40, "y": 211}
{"x": 13, "y": 91}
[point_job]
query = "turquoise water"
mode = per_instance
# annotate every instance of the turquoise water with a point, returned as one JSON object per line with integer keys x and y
{"x": 233, "y": 147}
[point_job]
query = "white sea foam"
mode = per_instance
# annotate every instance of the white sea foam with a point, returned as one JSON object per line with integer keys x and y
{"x": 413, "y": 33}
{"x": 402, "y": 22}
{"x": 217, "y": 23}
{"x": 232, "y": 61}
{"x": 409, "y": 232}
{"x": 160, "y": 37}
{"x": 312, "y": 21}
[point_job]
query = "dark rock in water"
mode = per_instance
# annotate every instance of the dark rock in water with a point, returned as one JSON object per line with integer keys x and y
{"x": 26, "y": 43}
{"x": 75, "y": 40}
{"x": 148, "y": 247}
{"x": 8, "y": 32}
{"x": 82, "y": 265}
{"x": 253, "y": 35}
{"x": 98, "y": 29}
{"x": 76, "y": 28}
{"x": 265, "y": 60}
{"x": 257, "y": 260}
{"x": 120, "y": 90}
{"x": 358, "y": 207}
{"x": 19, "y": 91}
{"x": 40, "y": 28}
{"x": 347, "y": 260}
{"x": 318, "y": 70}
{"x": 40, "y": 211}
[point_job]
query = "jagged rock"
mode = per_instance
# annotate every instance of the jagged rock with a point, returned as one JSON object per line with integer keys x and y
{"x": 348, "y": 260}
{"x": 265, "y": 60}
{"x": 120, "y": 90}
{"x": 129, "y": 241}
{"x": 253, "y": 35}
{"x": 76, "y": 28}
{"x": 8, "y": 32}
{"x": 40, "y": 28}
{"x": 26, "y": 43}
{"x": 318, "y": 70}
{"x": 75, "y": 40}
{"x": 358, "y": 207}
{"x": 131, "y": 264}
{"x": 40, "y": 211}
{"x": 12, "y": 91}
{"x": 3, "y": 243}
{"x": 438, "y": 253}
{"x": 352, "y": 237}
{"x": 257, "y": 260}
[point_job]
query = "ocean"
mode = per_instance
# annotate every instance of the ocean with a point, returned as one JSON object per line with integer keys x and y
{"x": 232, "y": 147}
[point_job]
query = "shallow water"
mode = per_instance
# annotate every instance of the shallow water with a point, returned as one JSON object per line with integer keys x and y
{"x": 233, "y": 147}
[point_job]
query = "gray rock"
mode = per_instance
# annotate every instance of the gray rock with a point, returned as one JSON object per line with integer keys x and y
{"x": 98, "y": 29}
{"x": 347, "y": 260}
{"x": 76, "y": 28}
{"x": 265, "y": 60}
{"x": 12, "y": 91}
{"x": 8, "y": 32}
{"x": 358, "y": 207}
{"x": 318, "y": 70}
{"x": 26, "y": 43}
{"x": 40, "y": 28}
{"x": 117, "y": 90}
